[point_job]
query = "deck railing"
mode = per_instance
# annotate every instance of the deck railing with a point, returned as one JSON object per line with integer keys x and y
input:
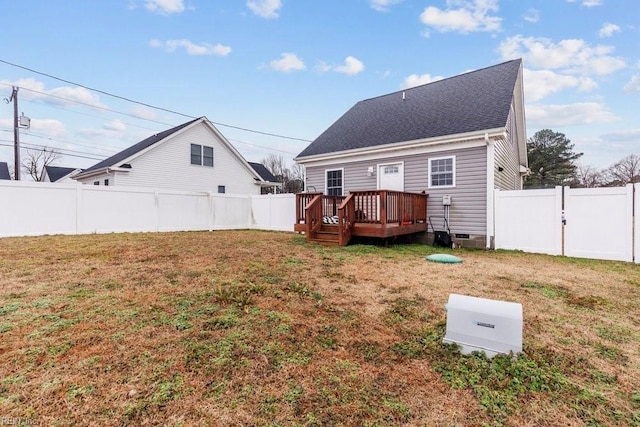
{"x": 346, "y": 219}
{"x": 313, "y": 216}
{"x": 374, "y": 207}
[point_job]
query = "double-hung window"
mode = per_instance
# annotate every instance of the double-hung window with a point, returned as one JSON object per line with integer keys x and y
{"x": 334, "y": 182}
{"x": 442, "y": 172}
{"x": 201, "y": 155}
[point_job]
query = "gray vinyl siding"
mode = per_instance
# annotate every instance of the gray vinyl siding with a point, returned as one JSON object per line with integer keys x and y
{"x": 468, "y": 211}
{"x": 506, "y": 156}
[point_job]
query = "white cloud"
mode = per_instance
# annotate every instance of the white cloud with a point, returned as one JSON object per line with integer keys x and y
{"x": 265, "y": 8}
{"x": 33, "y": 89}
{"x": 469, "y": 16}
{"x": 608, "y": 29}
{"x": 591, "y": 3}
{"x": 48, "y": 127}
{"x": 144, "y": 112}
{"x": 630, "y": 135}
{"x": 540, "y": 83}
{"x": 165, "y": 7}
{"x": 190, "y": 47}
{"x": 570, "y": 55}
{"x": 583, "y": 113}
{"x": 532, "y": 15}
{"x": 633, "y": 85}
{"x": 115, "y": 125}
{"x": 351, "y": 67}
{"x": 417, "y": 80}
{"x": 383, "y": 5}
{"x": 288, "y": 62}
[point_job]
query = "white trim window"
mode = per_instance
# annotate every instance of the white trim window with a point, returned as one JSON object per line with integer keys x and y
{"x": 334, "y": 182}
{"x": 442, "y": 172}
{"x": 201, "y": 155}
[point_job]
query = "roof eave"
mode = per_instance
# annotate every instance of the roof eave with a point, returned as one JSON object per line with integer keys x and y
{"x": 396, "y": 146}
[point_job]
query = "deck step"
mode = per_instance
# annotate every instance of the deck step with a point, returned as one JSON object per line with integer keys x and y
{"x": 327, "y": 236}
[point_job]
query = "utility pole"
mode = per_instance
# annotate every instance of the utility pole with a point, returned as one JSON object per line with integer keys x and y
{"x": 16, "y": 134}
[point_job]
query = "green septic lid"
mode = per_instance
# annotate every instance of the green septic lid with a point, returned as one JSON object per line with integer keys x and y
{"x": 444, "y": 258}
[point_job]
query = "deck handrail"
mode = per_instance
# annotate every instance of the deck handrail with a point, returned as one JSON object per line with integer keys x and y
{"x": 313, "y": 216}
{"x": 302, "y": 199}
{"x": 346, "y": 219}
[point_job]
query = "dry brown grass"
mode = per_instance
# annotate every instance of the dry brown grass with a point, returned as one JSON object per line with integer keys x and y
{"x": 258, "y": 328}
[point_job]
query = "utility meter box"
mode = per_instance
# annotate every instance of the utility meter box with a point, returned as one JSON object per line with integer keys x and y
{"x": 446, "y": 200}
{"x": 479, "y": 324}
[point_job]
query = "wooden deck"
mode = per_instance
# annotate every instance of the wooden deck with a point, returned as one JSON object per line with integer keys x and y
{"x": 379, "y": 213}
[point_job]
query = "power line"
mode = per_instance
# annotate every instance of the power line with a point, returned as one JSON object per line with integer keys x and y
{"x": 149, "y": 105}
{"x": 42, "y": 148}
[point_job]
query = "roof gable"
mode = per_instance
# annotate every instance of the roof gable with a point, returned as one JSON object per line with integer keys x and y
{"x": 263, "y": 172}
{"x": 470, "y": 102}
{"x": 136, "y": 148}
{"x": 56, "y": 173}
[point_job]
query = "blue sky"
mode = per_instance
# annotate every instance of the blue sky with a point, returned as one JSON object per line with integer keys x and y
{"x": 292, "y": 67}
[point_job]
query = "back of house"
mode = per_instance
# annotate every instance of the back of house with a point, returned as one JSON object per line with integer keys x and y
{"x": 456, "y": 139}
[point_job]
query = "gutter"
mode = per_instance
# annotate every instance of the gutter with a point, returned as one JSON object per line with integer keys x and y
{"x": 396, "y": 146}
{"x": 101, "y": 171}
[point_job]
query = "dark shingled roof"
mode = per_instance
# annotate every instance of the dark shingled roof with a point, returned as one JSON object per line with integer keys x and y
{"x": 4, "y": 171}
{"x": 473, "y": 101}
{"x": 128, "y": 152}
{"x": 57, "y": 172}
{"x": 263, "y": 172}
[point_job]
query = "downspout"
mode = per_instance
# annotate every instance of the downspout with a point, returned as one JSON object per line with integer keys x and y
{"x": 491, "y": 161}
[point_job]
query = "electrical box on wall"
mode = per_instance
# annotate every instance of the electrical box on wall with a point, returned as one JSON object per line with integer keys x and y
{"x": 446, "y": 200}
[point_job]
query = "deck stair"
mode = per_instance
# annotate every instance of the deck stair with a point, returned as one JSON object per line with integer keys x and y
{"x": 326, "y": 236}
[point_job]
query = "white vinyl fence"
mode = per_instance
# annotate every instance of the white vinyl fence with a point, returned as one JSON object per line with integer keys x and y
{"x": 38, "y": 208}
{"x": 596, "y": 223}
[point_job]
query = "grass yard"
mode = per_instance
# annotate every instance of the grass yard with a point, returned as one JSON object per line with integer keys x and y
{"x": 258, "y": 328}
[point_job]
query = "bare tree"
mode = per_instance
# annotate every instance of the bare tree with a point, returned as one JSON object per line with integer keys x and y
{"x": 625, "y": 171}
{"x": 36, "y": 160}
{"x": 292, "y": 179}
{"x": 588, "y": 176}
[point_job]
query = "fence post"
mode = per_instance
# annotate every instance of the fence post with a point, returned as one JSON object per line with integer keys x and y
{"x": 78, "y": 206}
{"x": 211, "y": 210}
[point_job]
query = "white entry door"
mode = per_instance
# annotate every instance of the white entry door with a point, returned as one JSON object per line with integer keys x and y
{"x": 391, "y": 176}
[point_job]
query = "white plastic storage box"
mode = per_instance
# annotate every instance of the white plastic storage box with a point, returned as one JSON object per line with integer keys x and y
{"x": 479, "y": 324}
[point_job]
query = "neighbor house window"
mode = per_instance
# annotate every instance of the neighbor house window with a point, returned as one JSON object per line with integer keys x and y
{"x": 96, "y": 182}
{"x": 222, "y": 189}
{"x": 201, "y": 155}
{"x": 334, "y": 182}
{"x": 106, "y": 182}
{"x": 442, "y": 172}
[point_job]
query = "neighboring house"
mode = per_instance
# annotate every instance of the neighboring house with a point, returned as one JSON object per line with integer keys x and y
{"x": 193, "y": 156}
{"x": 461, "y": 137}
{"x": 4, "y": 171}
{"x": 60, "y": 174}
{"x": 266, "y": 176}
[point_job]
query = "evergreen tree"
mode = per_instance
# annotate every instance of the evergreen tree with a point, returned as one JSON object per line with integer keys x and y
{"x": 551, "y": 160}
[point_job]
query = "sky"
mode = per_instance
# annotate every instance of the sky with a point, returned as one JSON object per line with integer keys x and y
{"x": 98, "y": 76}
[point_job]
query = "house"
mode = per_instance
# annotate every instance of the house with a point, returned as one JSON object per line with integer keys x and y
{"x": 4, "y": 171}
{"x": 455, "y": 139}
{"x": 266, "y": 176}
{"x": 59, "y": 174}
{"x": 193, "y": 156}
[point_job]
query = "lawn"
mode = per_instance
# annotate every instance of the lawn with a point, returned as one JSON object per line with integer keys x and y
{"x": 257, "y": 328}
